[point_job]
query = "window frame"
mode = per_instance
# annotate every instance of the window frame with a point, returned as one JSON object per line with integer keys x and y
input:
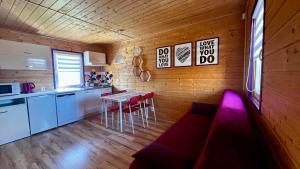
{"x": 55, "y": 76}
{"x": 252, "y": 96}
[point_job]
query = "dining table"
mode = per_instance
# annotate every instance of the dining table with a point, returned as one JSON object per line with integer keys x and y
{"x": 119, "y": 98}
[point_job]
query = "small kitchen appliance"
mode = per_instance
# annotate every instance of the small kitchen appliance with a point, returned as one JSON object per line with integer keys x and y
{"x": 7, "y": 89}
{"x": 28, "y": 87}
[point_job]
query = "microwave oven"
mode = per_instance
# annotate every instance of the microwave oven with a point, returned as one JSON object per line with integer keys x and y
{"x": 7, "y": 89}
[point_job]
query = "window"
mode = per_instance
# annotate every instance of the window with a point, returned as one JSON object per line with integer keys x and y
{"x": 68, "y": 69}
{"x": 256, "y": 54}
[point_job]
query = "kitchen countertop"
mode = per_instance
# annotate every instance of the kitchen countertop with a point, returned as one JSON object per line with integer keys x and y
{"x": 56, "y": 91}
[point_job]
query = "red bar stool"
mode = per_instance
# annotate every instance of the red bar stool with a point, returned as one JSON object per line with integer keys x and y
{"x": 146, "y": 105}
{"x": 134, "y": 105}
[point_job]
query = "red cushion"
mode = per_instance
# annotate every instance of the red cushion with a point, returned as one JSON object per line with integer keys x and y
{"x": 231, "y": 143}
{"x": 161, "y": 157}
{"x": 188, "y": 135}
{"x": 137, "y": 164}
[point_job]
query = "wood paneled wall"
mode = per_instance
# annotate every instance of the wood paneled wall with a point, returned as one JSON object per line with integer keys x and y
{"x": 40, "y": 78}
{"x": 177, "y": 88}
{"x": 280, "y": 115}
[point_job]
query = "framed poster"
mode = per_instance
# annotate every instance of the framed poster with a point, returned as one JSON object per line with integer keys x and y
{"x": 163, "y": 57}
{"x": 183, "y": 54}
{"x": 207, "y": 52}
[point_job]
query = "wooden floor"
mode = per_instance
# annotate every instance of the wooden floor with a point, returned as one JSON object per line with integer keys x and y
{"x": 86, "y": 144}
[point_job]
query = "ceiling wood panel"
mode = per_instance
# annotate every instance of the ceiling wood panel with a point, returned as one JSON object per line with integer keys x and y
{"x": 82, "y": 6}
{"x": 43, "y": 18}
{"x": 162, "y": 9}
{"x": 47, "y": 3}
{"x": 15, "y": 12}
{"x": 26, "y": 12}
{"x": 100, "y": 21}
{"x": 99, "y": 12}
{"x": 122, "y": 8}
{"x": 153, "y": 16}
{"x": 181, "y": 19}
{"x": 142, "y": 10}
{"x": 37, "y": 13}
{"x": 5, "y": 8}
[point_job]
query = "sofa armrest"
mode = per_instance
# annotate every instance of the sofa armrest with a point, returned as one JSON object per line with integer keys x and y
{"x": 204, "y": 108}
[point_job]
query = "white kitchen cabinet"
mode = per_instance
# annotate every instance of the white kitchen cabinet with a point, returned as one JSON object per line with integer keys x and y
{"x": 88, "y": 101}
{"x": 94, "y": 59}
{"x": 42, "y": 113}
{"x": 66, "y": 108}
{"x": 92, "y": 101}
{"x": 24, "y": 56}
{"x": 80, "y": 102}
{"x": 14, "y": 123}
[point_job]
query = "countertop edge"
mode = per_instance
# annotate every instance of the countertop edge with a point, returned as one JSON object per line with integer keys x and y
{"x": 54, "y": 92}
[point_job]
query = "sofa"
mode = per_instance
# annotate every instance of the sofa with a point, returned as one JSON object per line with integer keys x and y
{"x": 207, "y": 137}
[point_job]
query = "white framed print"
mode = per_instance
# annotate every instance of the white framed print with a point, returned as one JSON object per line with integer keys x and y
{"x": 207, "y": 52}
{"x": 183, "y": 54}
{"x": 163, "y": 57}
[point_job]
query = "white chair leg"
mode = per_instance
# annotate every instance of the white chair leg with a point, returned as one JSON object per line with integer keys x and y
{"x": 131, "y": 119}
{"x": 101, "y": 110}
{"x": 143, "y": 118}
{"x": 101, "y": 117}
{"x": 147, "y": 116}
{"x": 112, "y": 120}
{"x": 153, "y": 108}
{"x": 105, "y": 114}
{"x": 125, "y": 118}
{"x": 118, "y": 120}
{"x": 146, "y": 112}
{"x": 142, "y": 115}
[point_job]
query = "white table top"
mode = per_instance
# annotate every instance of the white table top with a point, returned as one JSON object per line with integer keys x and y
{"x": 121, "y": 97}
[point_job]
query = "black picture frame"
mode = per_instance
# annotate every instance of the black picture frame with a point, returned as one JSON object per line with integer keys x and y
{"x": 191, "y": 54}
{"x": 170, "y": 57}
{"x": 197, "y": 49}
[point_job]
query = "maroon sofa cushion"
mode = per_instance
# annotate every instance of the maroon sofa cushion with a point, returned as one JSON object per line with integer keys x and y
{"x": 187, "y": 136}
{"x": 231, "y": 143}
{"x": 204, "y": 109}
{"x": 221, "y": 140}
{"x": 160, "y": 157}
{"x": 137, "y": 164}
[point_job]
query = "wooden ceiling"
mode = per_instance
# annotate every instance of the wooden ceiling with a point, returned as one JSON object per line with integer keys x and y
{"x": 107, "y": 21}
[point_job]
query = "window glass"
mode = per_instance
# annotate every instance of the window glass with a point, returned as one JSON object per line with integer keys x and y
{"x": 256, "y": 54}
{"x": 68, "y": 68}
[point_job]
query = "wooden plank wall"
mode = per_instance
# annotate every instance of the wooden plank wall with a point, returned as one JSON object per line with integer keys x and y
{"x": 40, "y": 78}
{"x": 177, "y": 88}
{"x": 280, "y": 115}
